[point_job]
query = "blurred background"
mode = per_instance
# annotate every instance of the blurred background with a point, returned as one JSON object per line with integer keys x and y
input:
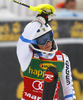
{"x": 68, "y": 33}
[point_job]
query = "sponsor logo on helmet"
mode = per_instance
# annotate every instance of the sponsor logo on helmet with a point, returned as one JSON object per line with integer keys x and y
{"x": 44, "y": 29}
{"x": 46, "y": 65}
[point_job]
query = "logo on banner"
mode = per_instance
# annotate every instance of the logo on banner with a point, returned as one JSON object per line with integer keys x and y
{"x": 67, "y": 73}
{"x": 59, "y": 57}
{"x": 49, "y": 77}
{"x": 31, "y": 96}
{"x": 36, "y": 55}
{"x": 46, "y": 65}
{"x": 38, "y": 85}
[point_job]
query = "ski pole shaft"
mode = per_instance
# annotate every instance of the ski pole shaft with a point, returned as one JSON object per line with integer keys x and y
{"x": 20, "y": 3}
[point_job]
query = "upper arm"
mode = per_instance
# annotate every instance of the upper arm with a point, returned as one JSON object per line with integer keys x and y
{"x": 24, "y": 54}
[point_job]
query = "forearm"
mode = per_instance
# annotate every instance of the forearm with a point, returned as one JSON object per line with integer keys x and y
{"x": 31, "y": 29}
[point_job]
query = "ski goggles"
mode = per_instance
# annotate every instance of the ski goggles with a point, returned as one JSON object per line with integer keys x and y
{"x": 42, "y": 40}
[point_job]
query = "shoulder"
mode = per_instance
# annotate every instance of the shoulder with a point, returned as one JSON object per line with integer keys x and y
{"x": 59, "y": 55}
{"x": 66, "y": 58}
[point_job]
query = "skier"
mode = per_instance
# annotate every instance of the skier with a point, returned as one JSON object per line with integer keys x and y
{"x": 42, "y": 64}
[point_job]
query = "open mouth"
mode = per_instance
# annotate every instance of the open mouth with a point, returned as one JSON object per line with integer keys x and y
{"x": 48, "y": 47}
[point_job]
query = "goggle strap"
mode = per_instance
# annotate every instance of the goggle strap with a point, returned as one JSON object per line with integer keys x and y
{"x": 27, "y": 40}
{"x": 43, "y": 50}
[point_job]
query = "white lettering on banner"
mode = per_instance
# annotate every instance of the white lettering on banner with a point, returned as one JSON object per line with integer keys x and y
{"x": 59, "y": 57}
{"x": 49, "y": 76}
{"x": 28, "y": 95}
{"x": 34, "y": 97}
{"x": 38, "y": 85}
{"x": 39, "y": 98}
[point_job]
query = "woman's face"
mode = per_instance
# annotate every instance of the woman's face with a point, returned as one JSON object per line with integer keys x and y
{"x": 47, "y": 46}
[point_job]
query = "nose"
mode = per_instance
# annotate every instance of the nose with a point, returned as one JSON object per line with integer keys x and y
{"x": 48, "y": 43}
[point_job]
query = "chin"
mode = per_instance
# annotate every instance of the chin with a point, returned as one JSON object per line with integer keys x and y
{"x": 47, "y": 49}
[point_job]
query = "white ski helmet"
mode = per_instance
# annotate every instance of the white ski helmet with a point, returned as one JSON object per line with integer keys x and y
{"x": 42, "y": 31}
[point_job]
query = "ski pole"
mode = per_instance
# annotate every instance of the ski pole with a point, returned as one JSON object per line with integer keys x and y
{"x": 20, "y": 3}
{"x": 40, "y": 8}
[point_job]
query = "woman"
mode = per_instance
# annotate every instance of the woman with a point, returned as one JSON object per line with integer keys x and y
{"x": 37, "y": 51}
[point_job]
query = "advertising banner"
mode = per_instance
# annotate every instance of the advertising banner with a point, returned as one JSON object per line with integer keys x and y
{"x": 11, "y": 31}
{"x": 74, "y": 52}
{"x": 67, "y": 28}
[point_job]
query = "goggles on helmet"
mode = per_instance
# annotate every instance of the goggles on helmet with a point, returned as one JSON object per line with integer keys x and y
{"x": 42, "y": 40}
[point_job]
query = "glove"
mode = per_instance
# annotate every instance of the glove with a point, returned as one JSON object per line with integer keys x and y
{"x": 46, "y": 13}
{"x": 45, "y": 18}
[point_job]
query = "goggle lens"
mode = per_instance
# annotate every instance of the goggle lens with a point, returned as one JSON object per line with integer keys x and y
{"x": 44, "y": 38}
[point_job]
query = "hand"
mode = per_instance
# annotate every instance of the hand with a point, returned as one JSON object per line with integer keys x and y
{"x": 46, "y": 13}
{"x": 45, "y": 18}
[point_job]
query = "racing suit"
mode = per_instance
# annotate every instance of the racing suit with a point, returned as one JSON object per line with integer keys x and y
{"x": 34, "y": 66}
